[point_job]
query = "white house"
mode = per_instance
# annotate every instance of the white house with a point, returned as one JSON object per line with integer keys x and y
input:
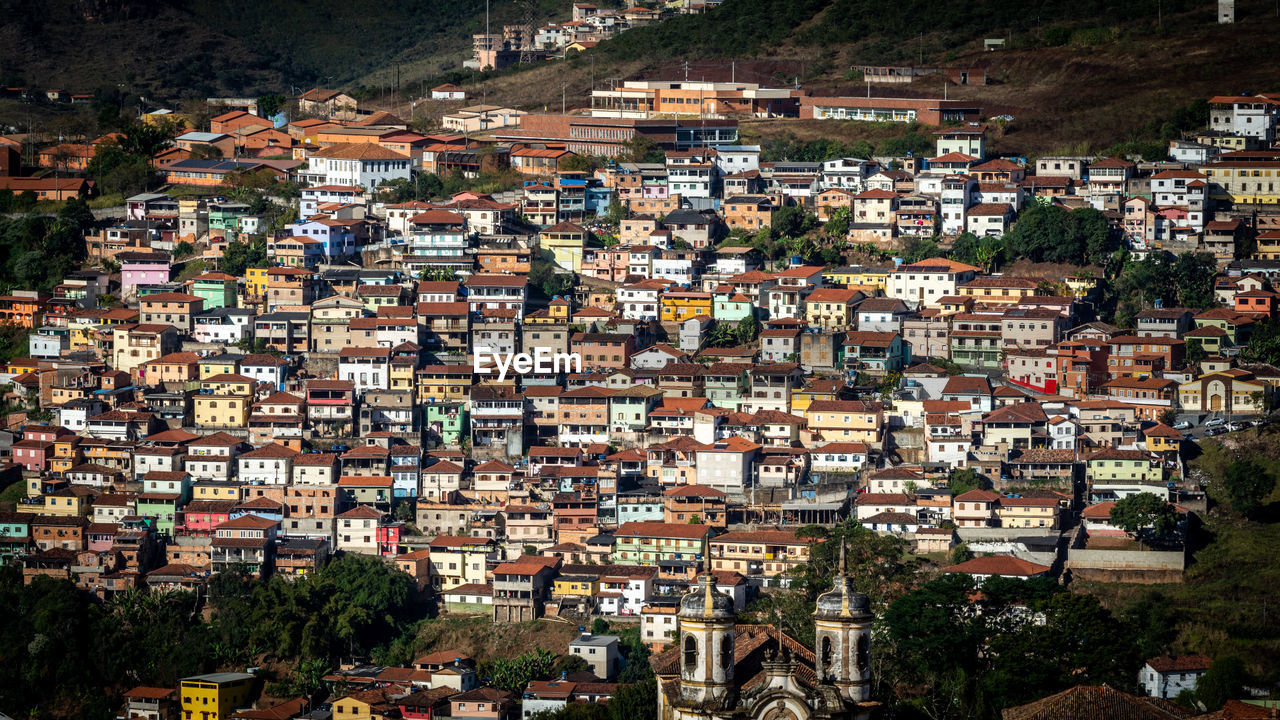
{"x": 264, "y": 368}
{"x": 448, "y": 92}
{"x": 366, "y": 165}
{"x": 923, "y": 283}
{"x": 1166, "y": 677}
{"x": 268, "y": 465}
{"x": 639, "y": 301}
{"x": 839, "y": 457}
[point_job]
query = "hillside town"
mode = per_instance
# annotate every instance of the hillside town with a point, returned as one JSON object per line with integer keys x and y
{"x": 318, "y": 335}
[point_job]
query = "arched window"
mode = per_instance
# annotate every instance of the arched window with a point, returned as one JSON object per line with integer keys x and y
{"x": 863, "y": 652}
{"x": 726, "y": 651}
{"x": 827, "y": 657}
{"x": 690, "y": 653}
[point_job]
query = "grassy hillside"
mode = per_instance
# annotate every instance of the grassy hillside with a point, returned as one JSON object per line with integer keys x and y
{"x": 1077, "y": 75}
{"x": 196, "y": 48}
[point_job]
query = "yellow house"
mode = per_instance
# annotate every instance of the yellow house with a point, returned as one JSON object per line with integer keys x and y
{"x": 851, "y": 277}
{"x": 74, "y": 501}
{"x": 361, "y": 705}
{"x": 680, "y": 305}
{"x": 565, "y": 241}
{"x": 802, "y": 398}
{"x": 558, "y": 312}
{"x": 845, "y": 420}
{"x": 66, "y": 454}
{"x": 459, "y": 561}
{"x": 438, "y": 383}
{"x": 223, "y": 401}
{"x": 218, "y": 365}
{"x": 830, "y": 307}
{"x": 1162, "y": 438}
{"x": 255, "y": 282}
{"x": 217, "y": 490}
{"x": 576, "y": 586}
{"x": 953, "y": 304}
{"x": 1244, "y": 182}
{"x": 1081, "y": 285}
{"x": 112, "y": 455}
{"x": 767, "y": 552}
{"x": 216, "y": 695}
{"x": 1036, "y": 512}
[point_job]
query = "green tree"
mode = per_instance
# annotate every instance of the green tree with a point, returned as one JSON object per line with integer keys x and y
{"x": 792, "y": 221}
{"x": 1224, "y": 680}
{"x": 1247, "y": 484}
{"x": 748, "y": 330}
{"x": 636, "y": 701}
{"x": 270, "y": 105}
{"x": 962, "y": 480}
{"x": 1144, "y": 515}
{"x": 838, "y": 223}
{"x": 239, "y": 256}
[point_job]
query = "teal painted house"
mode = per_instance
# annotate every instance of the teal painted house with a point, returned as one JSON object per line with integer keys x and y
{"x": 163, "y": 495}
{"x": 218, "y": 290}
{"x": 726, "y": 384}
{"x": 731, "y": 306}
{"x": 875, "y": 353}
{"x": 447, "y": 421}
{"x": 15, "y": 536}
{"x": 226, "y": 216}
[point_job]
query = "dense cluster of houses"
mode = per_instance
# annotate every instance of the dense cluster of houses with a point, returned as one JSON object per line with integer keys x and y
{"x": 349, "y": 394}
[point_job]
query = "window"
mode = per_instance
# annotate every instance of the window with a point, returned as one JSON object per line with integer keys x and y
{"x": 690, "y": 653}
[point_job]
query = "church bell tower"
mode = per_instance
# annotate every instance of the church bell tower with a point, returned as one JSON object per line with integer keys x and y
{"x": 842, "y": 621}
{"x": 706, "y": 637}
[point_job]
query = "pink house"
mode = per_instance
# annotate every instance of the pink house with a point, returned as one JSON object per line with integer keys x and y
{"x": 141, "y": 268}
{"x": 200, "y": 517}
{"x": 44, "y": 433}
{"x": 32, "y": 455}
{"x": 102, "y": 536}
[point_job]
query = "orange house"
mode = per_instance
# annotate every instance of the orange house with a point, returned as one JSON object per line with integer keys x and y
{"x": 1257, "y": 302}
{"x": 236, "y": 122}
{"x": 22, "y": 309}
{"x": 749, "y": 212}
{"x": 504, "y": 260}
{"x": 176, "y": 367}
{"x": 67, "y": 156}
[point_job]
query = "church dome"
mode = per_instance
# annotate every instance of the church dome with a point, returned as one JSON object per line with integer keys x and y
{"x": 842, "y": 602}
{"x": 706, "y": 601}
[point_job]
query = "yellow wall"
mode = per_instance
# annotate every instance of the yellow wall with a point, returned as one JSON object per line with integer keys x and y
{"x": 255, "y": 281}
{"x": 203, "y": 700}
{"x": 221, "y": 411}
{"x": 681, "y": 309}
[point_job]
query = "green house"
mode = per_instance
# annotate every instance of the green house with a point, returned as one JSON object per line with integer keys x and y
{"x": 226, "y": 216}
{"x": 447, "y": 420}
{"x": 731, "y": 307}
{"x": 726, "y": 384}
{"x": 15, "y": 537}
{"x": 218, "y": 290}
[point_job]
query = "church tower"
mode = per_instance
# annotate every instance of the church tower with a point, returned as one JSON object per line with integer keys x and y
{"x": 706, "y": 636}
{"x": 843, "y": 624}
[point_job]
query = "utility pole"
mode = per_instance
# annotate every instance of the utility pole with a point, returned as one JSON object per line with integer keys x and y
{"x": 686, "y": 71}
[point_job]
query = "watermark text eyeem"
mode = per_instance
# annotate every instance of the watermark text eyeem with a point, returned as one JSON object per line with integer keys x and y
{"x": 543, "y": 360}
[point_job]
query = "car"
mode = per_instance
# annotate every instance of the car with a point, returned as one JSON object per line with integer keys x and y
{"x": 1184, "y": 425}
{"x": 1236, "y": 426}
{"x": 1188, "y": 436}
{"x": 1215, "y": 422}
{"x": 1214, "y": 431}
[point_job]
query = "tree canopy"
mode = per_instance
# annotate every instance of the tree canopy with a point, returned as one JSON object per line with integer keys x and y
{"x": 1144, "y": 515}
{"x": 1246, "y": 484}
{"x": 1051, "y": 233}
